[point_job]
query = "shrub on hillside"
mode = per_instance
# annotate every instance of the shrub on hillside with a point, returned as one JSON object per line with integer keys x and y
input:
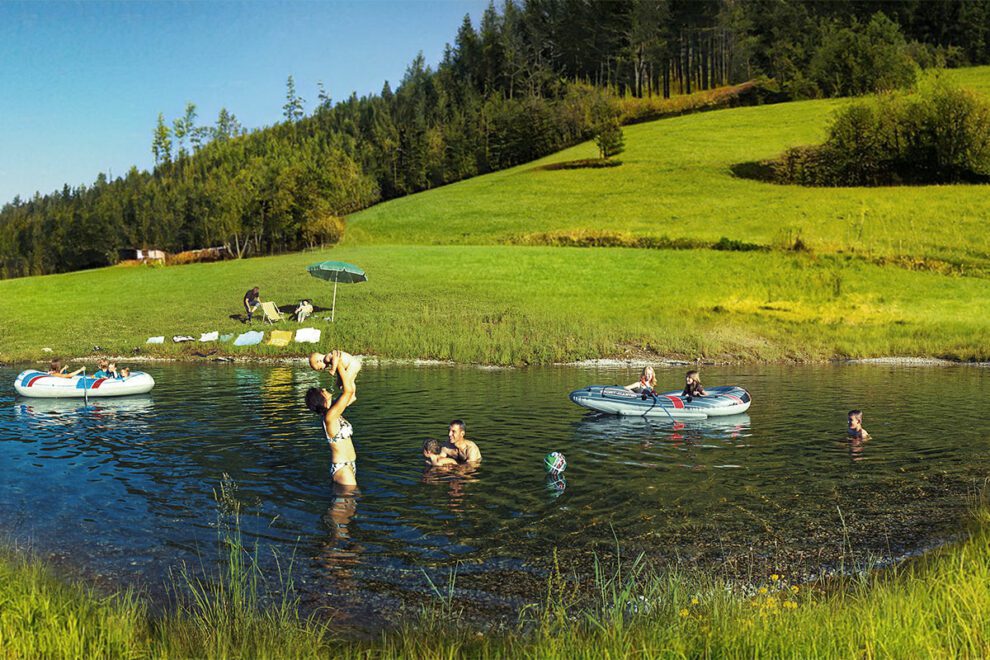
{"x": 939, "y": 135}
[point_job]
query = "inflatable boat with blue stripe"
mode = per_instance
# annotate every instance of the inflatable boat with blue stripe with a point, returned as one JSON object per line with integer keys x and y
{"x": 39, "y": 384}
{"x": 616, "y": 400}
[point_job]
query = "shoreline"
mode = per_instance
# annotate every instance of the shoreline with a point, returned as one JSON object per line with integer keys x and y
{"x": 593, "y": 363}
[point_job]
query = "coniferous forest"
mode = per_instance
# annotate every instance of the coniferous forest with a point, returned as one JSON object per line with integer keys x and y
{"x": 529, "y": 78}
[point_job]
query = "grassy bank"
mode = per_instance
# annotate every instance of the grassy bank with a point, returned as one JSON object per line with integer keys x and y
{"x": 474, "y": 271}
{"x": 498, "y": 304}
{"x": 933, "y": 607}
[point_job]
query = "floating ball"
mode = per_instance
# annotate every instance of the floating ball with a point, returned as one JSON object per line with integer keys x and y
{"x": 554, "y": 462}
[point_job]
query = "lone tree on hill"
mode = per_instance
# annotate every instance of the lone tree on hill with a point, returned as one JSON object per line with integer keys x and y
{"x": 608, "y": 137}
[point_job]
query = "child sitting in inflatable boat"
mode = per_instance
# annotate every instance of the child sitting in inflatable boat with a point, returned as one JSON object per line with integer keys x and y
{"x": 647, "y": 382}
{"x": 692, "y": 385}
{"x": 109, "y": 370}
{"x": 57, "y": 369}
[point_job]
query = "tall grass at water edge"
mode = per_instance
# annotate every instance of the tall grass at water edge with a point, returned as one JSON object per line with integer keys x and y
{"x": 936, "y": 606}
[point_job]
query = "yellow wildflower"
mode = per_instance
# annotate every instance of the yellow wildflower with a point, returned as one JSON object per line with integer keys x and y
{"x": 684, "y": 612}
{"x": 762, "y": 590}
{"x": 790, "y": 604}
{"x": 694, "y": 601}
{"x": 795, "y": 589}
{"x": 774, "y": 577}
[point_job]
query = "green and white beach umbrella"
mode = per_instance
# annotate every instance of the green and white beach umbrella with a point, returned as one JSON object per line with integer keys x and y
{"x": 337, "y": 272}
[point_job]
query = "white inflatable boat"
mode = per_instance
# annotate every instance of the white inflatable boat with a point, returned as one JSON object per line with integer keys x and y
{"x": 39, "y": 384}
{"x": 616, "y": 400}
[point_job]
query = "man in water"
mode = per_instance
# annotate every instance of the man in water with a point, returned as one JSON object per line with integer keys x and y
{"x": 460, "y": 448}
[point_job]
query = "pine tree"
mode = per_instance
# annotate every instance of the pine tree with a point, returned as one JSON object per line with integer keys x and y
{"x": 293, "y": 108}
{"x": 161, "y": 144}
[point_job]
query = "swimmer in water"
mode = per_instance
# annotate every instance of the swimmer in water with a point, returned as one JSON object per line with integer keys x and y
{"x": 338, "y": 431}
{"x": 458, "y": 447}
{"x": 856, "y": 429}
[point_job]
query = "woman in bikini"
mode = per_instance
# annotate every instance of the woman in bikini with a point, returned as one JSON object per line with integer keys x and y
{"x": 343, "y": 467}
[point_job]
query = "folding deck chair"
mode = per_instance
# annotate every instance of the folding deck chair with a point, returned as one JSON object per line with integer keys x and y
{"x": 270, "y": 313}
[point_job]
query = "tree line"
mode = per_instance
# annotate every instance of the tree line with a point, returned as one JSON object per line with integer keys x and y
{"x": 532, "y": 77}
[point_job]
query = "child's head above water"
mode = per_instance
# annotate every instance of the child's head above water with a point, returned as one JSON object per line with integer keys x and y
{"x": 431, "y": 447}
{"x": 855, "y": 419}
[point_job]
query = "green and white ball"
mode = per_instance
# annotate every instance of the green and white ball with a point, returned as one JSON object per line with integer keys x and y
{"x": 554, "y": 462}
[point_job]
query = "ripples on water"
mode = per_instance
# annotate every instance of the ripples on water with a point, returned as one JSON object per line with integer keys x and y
{"x": 127, "y": 487}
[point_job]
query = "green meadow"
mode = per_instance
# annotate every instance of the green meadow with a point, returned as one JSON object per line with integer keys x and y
{"x": 474, "y": 271}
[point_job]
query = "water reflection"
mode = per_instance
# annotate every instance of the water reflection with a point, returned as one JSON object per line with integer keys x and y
{"x": 126, "y": 487}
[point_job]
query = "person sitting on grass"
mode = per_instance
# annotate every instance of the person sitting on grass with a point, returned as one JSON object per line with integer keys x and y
{"x": 433, "y": 454}
{"x": 460, "y": 448}
{"x": 304, "y": 309}
{"x": 692, "y": 385}
{"x": 57, "y": 369}
{"x": 647, "y": 382}
{"x": 252, "y": 300}
{"x": 856, "y": 429}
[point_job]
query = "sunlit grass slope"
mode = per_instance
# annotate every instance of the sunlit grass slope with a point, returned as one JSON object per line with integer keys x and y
{"x": 461, "y": 272}
{"x": 676, "y": 181}
{"x": 500, "y": 304}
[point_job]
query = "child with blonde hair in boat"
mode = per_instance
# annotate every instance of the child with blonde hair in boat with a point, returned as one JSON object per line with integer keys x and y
{"x": 647, "y": 381}
{"x": 692, "y": 385}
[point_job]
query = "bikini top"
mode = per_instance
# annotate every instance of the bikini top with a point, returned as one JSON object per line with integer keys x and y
{"x": 345, "y": 432}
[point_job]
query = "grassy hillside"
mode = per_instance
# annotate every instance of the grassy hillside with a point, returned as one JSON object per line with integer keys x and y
{"x": 676, "y": 181}
{"x": 461, "y": 273}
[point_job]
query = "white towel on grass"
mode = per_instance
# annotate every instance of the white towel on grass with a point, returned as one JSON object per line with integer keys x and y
{"x": 307, "y": 335}
{"x": 209, "y": 336}
{"x": 155, "y": 340}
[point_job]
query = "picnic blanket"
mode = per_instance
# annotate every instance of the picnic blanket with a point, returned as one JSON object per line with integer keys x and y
{"x": 280, "y": 338}
{"x": 307, "y": 335}
{"x": 249, "y": 338}
{"x": 209, "y": 336}
{"x": 156, "y": 340}
{"x": 178, "y": 339}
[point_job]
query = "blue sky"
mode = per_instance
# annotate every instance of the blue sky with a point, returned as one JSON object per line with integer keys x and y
{"x": 82, "y": 83}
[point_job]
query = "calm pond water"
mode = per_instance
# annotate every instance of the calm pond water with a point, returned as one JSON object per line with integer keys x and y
{"x": 127, "y": 489}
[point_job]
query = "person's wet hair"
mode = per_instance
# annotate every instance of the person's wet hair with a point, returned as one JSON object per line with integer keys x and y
{"x": 459, "y": 423}
{"x": 431, "y": 446}
{"x": 856, "y": 414}
{"x": 56, "y": 365}
{"x": 315, "y": 401}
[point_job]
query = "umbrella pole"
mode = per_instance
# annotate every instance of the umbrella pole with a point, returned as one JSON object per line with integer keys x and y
{"x": 333, "y": 308}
